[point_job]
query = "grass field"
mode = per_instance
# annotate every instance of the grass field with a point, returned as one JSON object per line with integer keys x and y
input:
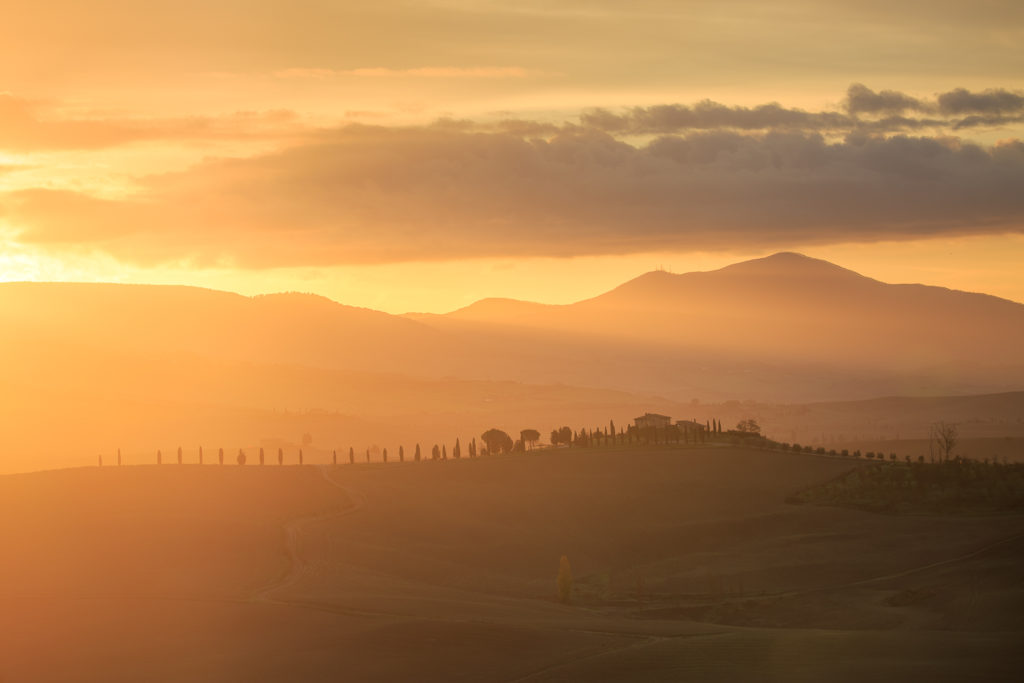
{"x": 689, "y": 565}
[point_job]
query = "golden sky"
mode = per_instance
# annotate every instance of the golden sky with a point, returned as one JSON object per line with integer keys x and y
{"x": 422, "y": 155}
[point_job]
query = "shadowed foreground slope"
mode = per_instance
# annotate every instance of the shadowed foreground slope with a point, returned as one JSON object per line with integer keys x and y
{"x": 688, "y": 564}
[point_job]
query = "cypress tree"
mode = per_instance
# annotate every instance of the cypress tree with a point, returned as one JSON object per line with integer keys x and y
{"x": 416, "y": 456}
{"x": 220, "y": 456}
{"x": 159, "y": 457}
{"x": 179, "y": 455}
{"x": 351, "y": 455}
{"x": 261, "y": 455}
{"x": 367, "y": 455}
{"x": 457, "y": 450}
{"x": 334, "y": 457}
{"x": 300, "y": 456}
{"x": 200, "y": 455}
{"x": 118, "y": 457}
{"x": 280, "y": 456}
{"x": 401, "y": 454}
{"x": 444, "y": 452}
{"x": 385, "y": 455}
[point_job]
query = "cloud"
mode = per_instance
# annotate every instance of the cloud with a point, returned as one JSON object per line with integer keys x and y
{"x": 987, "y": 102}
{"x": 863, "y": 100}
{"x": 865, "y": 110}
{"x": 372, "y": 194}
{"x": 705, "y": 115}
{"x": 31, "y": 125}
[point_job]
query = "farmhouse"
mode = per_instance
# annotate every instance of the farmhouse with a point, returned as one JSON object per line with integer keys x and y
{"x": 652, "y": 420}
{"x": 690, "y": 426}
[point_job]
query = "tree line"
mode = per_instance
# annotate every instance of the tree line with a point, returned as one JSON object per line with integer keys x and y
{"x": 494, "y": 441}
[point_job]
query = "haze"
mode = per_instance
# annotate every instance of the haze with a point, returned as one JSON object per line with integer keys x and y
{"x": 467, "y": 340}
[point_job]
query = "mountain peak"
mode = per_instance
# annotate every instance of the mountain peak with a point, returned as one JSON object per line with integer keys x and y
{"x": 788, "y": 264}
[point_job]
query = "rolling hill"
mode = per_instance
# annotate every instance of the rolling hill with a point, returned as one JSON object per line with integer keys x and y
{"x": 91, "y": 367}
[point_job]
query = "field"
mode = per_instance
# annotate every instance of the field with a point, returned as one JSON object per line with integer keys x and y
{"x": 688, "y": 565}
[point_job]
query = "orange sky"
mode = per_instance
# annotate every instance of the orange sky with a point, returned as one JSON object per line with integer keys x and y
{"x": 422, "y": 156}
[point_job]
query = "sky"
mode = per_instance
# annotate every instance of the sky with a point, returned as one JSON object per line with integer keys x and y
{"x": 418, "y": 156}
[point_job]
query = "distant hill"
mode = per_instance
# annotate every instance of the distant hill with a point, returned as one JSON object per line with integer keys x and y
{"x": 792, "y": 311}
{"x": 85, "y": 363}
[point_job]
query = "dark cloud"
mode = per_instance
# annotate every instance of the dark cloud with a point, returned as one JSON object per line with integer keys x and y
{"x": 861, "y": 99}
{"x": 988, "y": 102}
{"x": 706, "y": 115}
{"x": 885, "y": 111}
{"x": 372, "y": 194}
{"x": 27, "y": 125}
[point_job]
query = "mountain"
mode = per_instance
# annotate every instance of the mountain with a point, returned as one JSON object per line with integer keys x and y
{"x": 91, "y": 366}
{"x": 789, "y": 309}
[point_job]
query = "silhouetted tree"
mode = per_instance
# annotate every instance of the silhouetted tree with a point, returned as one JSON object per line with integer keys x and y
{"x": 416, "y": 456}
{"x": 457, "y": 450}
{"x": 401, "y": 454}
{"x": 179, "y": 455}
{"x": 943, "y": 439}
{"x": 334, "y": 457}
{"x": 611, "y": 428}
{"x": 530, "y": 436}
{"x": 435, "y": 452}
{"x": 351, "y": 455}
{"x": 100, "y": 456}
{"x": 241, "y": 457}
{"x": 385, "y": 455}
{"x": 444, "y": 452}
{"x": 118, "y": 457}
{"x": 159, "y": 457}
{"x": 280, "y": 456}
{"x": 220, "y": 456}
{"x": 200, "y": 455}
{"x": 300, "y": 454}
{"x": 497, "y": 441}
{"x": 261, "y": 455}
{"x": 367, "y": 455}
{"x": 564, "y": 580}
{"x": 562, "y": 435}
{"x": 748, "y": 426}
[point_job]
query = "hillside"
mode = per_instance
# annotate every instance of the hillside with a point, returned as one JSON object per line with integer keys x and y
{"x": 787, "y": 308}
{"x": 686, "y": 562}
{"x": 173, "y": 366}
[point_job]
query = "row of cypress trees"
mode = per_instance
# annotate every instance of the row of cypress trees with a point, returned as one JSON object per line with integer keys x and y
{"x": 496, "y": 441}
